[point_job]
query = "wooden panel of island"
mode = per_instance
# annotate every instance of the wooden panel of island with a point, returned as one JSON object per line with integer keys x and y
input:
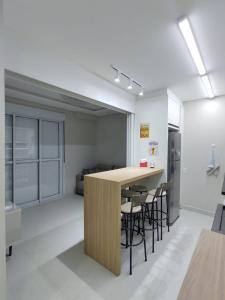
{"x": 102, "y": 212}
{"x": 205, "y": 278}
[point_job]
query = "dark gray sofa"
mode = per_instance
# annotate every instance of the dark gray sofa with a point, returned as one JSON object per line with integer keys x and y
{"x": 95, "y": 169}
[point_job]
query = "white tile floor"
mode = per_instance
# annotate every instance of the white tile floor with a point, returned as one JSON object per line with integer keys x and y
{"x": 50, "y": 263}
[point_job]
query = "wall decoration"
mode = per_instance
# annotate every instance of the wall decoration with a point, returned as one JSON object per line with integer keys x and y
{"x": 154, "y": 148}
{"x": 144, "y": 130}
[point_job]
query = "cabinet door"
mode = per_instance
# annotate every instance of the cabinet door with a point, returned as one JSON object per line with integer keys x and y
{"x": 174, "y": 112}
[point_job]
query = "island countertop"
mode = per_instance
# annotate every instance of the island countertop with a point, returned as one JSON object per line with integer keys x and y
{"x": 126, "y": 175}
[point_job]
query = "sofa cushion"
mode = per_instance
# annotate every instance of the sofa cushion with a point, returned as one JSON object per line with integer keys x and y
{"x": 80, "y": 185}
{"x": 85, "y": 171}
{"x": 103, "y": 167}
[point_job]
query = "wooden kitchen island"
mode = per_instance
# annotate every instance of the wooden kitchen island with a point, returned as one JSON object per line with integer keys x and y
{"x": 205, "y": 278}
{"x": 102, "y": 216}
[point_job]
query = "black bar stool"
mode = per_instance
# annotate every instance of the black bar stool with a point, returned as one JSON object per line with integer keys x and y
{"x": 139, "y": 188}
{"x": 127, "y": 194}
{"x": 133, "y": 211}
{"x": 152, "y": 214}
{"x": 164, "y": 215}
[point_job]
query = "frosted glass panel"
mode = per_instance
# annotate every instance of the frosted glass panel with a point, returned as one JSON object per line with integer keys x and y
{"x": 8, "y": 138}
{"x": 8, "y": 185}
{"x": 31, "y": 175}
{"x": 50, "y": 178}
{"x": 26, "y": 182}
{"x": 26, "y": 138}
{"x": 50, "y": 139}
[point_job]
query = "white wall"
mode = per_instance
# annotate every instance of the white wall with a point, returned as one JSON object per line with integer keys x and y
{"x": 152, "y": 110}
{"x": 204, "y": 124}
{"x": 29, "y": 58}
{"x": 80, "y": 148}
{"x": 111, "y": 139}
{"x": 2, "y": 165}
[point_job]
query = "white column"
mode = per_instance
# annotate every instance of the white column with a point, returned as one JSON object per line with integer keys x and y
{"x": 130, "y": 139}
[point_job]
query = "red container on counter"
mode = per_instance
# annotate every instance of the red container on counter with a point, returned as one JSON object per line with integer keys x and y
{"x": 143, "y": 163}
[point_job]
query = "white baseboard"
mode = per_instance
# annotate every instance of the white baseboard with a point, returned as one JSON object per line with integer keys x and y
{"x": 198, "y": 210}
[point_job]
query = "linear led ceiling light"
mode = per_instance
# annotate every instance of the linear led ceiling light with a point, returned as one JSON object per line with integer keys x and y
{"x": 208, "y": 87}
{"x": 132, "y": 82}
{"x": 189, "y": 38}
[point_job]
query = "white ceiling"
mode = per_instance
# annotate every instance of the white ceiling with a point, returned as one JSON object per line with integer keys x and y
{"x": 141, "y": 37}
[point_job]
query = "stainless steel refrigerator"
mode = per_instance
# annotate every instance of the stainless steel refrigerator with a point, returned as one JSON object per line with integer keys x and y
{"x": 174, "y": 154}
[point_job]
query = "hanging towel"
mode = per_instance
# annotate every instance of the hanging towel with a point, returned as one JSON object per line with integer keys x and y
{"x": 213, "y": 166}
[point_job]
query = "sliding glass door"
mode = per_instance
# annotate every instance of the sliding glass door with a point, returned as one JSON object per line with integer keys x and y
{"x": 26, "y": 160}
{"x": 33, "y": 159}
{"x": 8, "y": 160}
{"x": 50, "y": 159}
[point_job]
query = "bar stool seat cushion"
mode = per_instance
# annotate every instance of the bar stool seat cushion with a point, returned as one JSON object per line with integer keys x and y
{"x": 152, "y": 192}
{"x": 139, "y": 188}
{"x": 126, "y": 208}
{"x": 127, "y": 193}
{"x": 150, "y": 199}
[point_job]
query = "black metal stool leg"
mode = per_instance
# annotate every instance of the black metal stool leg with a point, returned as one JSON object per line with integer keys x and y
{"x": 131, "y": 242}
{"x": 143, "y": 226}
{"x": 157, "y": 224}
{"x": 153, "y": 231}
{"x": 161, "y": 217}
{"x": 139, "y": 225}
{"x": 167, "y": 215}
{"x": 126, "y": 230}
{"x": 149, "y": 217}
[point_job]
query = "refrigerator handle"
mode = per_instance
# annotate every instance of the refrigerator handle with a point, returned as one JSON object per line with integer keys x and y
{"x": 177, "y": 154}
{"x": 172, "y": 154}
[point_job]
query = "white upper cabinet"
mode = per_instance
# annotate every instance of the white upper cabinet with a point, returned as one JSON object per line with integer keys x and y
{"x": 174, "y": 111}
